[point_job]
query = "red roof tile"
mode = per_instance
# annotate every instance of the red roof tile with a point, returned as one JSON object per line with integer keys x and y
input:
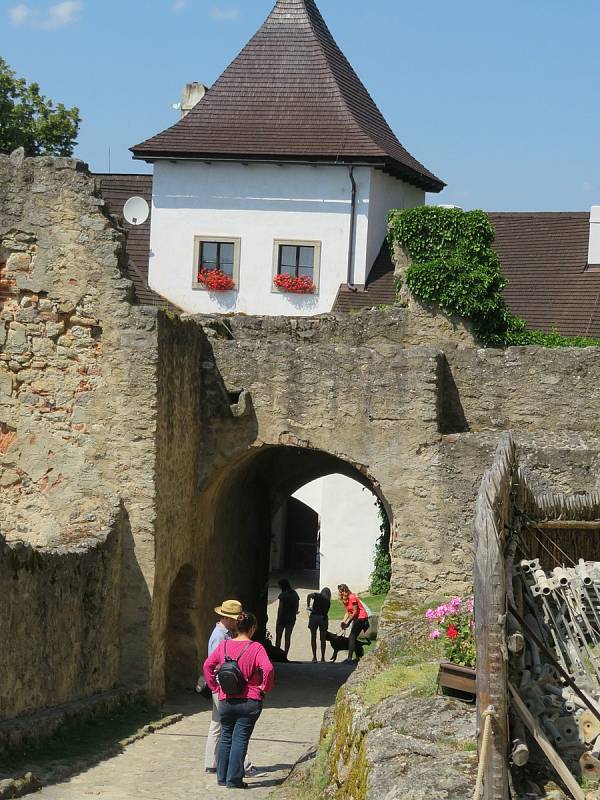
{"x": 290, "y": 95}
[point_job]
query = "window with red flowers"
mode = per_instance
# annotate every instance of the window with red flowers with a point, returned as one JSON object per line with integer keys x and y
{"x": 296, "y": 266}
{"x": 216, "y": 263}
{"x": 217, "y": 255}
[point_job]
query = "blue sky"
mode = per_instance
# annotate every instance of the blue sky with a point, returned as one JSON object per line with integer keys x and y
{"x": 501, "y": 100}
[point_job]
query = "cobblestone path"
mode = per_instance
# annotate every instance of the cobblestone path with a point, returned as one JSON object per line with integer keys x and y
{"x": 169, "y": 764}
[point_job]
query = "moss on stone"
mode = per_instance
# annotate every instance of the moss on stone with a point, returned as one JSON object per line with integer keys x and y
{"x": 357, "y": 778}
{"x": 419, "y": 680}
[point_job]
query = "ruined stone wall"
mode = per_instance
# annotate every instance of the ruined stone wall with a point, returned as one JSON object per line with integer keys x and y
{"x": 421, "y": 423}
{"x": 77, "y": 392}
{"x": 199, "y": 427}
{"x": 60, "y": 620}
{"x": 530, "y": 389}
{"x": 351, "y": 390}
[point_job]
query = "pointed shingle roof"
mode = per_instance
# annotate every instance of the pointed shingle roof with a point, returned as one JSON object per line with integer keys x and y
{"x": 290, "y": 95}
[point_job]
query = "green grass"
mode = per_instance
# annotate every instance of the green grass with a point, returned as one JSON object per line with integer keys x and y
{"x": 419, "y": 680}
{"x": 374, "y": 602}
{"x": 84, "y": 740}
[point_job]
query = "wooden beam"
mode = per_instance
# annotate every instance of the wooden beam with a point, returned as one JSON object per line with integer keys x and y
{"x": 565, "y": 524}
{"x": 559, "y": 765}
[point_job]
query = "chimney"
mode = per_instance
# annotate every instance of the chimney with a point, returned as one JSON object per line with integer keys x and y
{"x": 192, "y": 94}
{"x": 594, "y": 243}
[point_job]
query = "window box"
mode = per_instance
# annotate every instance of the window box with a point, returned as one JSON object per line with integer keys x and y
{"x": 216, "y": 263}
{"x": 456, "y": 680}
{"x": 296, "y": 266}
{"x": 294, "y": 285}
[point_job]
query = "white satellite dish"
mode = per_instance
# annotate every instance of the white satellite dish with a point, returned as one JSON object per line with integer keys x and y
{"x": 136, "y": 211}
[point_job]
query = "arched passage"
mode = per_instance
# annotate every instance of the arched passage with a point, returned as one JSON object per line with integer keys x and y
{"x": 232, "y": 530}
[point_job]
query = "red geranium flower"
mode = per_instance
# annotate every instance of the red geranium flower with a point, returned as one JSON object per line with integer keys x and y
{"x": 215, "y": 280}
{"x": 452, "y": 632}
{"x": 289, "y": 283}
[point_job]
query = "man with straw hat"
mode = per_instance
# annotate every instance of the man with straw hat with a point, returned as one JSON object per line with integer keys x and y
{"x": 226, "y": 628}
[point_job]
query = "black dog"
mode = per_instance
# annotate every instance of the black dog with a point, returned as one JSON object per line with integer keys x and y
{"x": 339, "y": 642}
{"x": 276, "y": 654}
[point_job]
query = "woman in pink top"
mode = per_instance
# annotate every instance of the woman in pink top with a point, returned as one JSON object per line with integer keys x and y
{"x": 239, "y": 713}
{"x": 356, "y": 618}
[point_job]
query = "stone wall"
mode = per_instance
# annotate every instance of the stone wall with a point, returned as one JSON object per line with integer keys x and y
{"x": 201, "y": 428}
{"x": 77, "y": 396}
{"x": 420, "y": 423}
{"x": 60, "y": 619}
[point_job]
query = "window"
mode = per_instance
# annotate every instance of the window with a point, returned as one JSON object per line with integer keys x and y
{"x": 297, "y": 260}
{"x": 216, "y": 254}
{"x": 301, "y": 260}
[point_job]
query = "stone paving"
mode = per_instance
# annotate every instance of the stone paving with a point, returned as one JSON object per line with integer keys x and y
{"x": 170, "y": 763}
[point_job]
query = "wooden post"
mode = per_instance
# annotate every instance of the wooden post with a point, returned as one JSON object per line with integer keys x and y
{"x": 492, "y": 512}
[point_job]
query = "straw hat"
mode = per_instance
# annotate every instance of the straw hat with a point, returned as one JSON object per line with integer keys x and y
{"x": 229, "y": 608}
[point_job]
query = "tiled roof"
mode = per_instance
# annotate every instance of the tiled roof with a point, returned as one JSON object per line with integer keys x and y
{"x": 379, "y": 289}
{"x": 116, "y": 190}
{"x": 290, "y": 95}
{"x": 543, "y": 257}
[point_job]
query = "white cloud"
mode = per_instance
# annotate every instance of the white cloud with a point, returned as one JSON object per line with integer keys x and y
{"x": 179, "y": 5}
{"x": 587, "y": 186}
{"x": 57, "y": 16}
{"x": 224, "y": 14}
{"x": 62, "y": 14}
{"x": 21, "y": 13}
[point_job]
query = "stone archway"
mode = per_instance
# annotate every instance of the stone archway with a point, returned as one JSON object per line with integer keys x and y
{"x": 246, "y": 415}
{"x": 229, "y": 543}
{"x": 181, "y": 650}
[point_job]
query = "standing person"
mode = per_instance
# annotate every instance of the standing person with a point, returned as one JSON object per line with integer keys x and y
{"x": 318, "y": 619}
{"x": 239, "y": 712}
{"x": 289, "y": 604}
{"x": 356, "y": 618}
{"x": 226, "y": 628}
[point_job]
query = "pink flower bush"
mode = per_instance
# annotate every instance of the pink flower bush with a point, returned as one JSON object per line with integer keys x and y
{"x": 454, "y": 621}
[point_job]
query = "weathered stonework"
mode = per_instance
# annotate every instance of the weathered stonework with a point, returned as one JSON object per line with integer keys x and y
{"x": 61, "y": 619}
{"x": 200, "y": 428}
{"x": 77, "y": 426}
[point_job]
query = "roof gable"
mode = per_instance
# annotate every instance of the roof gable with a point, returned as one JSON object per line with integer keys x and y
{"x": 290, "y": 95}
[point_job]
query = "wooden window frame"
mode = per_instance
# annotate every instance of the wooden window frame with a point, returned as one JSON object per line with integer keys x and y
{"x": 278, "y": 243}
{"x": 237, "y": 246}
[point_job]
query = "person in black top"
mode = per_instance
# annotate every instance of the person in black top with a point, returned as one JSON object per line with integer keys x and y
{"x": 289, "y": 603}
{"x": 318, "y": 619}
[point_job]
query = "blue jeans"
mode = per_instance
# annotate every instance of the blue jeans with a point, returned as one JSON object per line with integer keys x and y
{"x": 238, "y": 718}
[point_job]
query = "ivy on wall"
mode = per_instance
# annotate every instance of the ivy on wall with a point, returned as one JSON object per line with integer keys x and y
{"x": 382, "y": 563}
{"x": 454, "y": 267}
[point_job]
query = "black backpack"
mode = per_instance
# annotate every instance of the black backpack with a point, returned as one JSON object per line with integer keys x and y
{"x": 229, "y": 675}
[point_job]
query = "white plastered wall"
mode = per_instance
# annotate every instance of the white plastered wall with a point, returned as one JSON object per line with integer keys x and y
{"x": 386, "y": 193}
{"x": 257, "y": 203}
{"x": 349, "y": 526}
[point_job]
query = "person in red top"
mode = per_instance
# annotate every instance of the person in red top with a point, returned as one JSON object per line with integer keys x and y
{"x": 239, "y": 713}
{"x": 356, "y": 618}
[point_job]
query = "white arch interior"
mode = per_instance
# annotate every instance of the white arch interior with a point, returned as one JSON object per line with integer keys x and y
{"x": 349, "y": 527}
